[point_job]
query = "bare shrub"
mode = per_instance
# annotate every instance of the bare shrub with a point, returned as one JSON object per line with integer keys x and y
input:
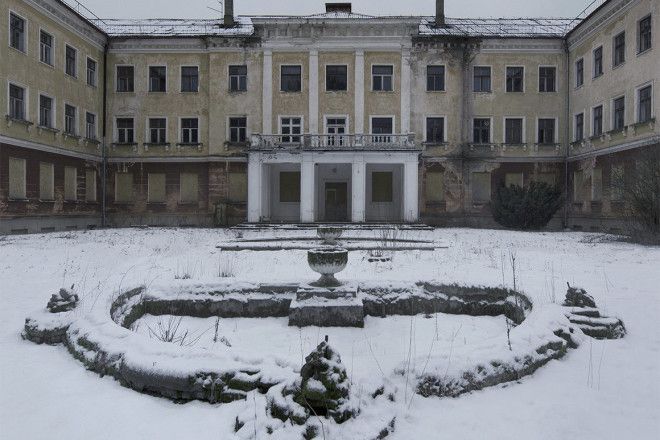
{"x": 170, "y": 330}
{"x": 226, "y": 265}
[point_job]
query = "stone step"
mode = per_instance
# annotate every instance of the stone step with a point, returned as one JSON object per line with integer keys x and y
{"x": 338, "y": 307}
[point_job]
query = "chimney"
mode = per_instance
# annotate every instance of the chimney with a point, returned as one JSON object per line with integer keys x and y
{"x": 229, "y": 13}
{"x": 345, "y": 8}
{"x": 439, "y": 12}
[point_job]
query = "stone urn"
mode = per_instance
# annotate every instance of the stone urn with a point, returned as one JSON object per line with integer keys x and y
{"x": 329, "y": 234}
{"x": 327, "y": 261}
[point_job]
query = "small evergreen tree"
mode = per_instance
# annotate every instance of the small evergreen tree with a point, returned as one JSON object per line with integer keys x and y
{"x": 525, "y": 208}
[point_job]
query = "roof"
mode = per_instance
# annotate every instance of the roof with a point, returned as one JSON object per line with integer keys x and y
{"x": 172, "y": 27}
{"x": 497, "y": 27}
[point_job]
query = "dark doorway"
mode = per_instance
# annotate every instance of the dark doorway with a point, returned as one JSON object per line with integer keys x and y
{"x": 336, "y": 201}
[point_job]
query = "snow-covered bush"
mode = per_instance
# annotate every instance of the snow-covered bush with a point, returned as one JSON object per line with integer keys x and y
{"x": 577, "y": 297}
{"x": 62, "y": 301}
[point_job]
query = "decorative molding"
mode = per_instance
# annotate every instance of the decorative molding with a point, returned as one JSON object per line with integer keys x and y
{"x": 72, "y": 21}
{"x": 177, "y": 159}
{"x": 592, "y": 24}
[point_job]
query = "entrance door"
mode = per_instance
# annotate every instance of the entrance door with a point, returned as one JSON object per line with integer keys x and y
{"x": 336, "y": 128}
{"x": 336, "y": 201}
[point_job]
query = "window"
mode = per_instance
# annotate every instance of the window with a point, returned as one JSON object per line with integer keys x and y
{"x": 336, "y": 128}
{"x": 547, "y": 79}
{"x": 381, "y": 78}
{"x": 291, "y": 78}
{"x": 481, "y": 131}
{"x": 123, "y": 187}
{"x": 188, "y": 188}
{"x": 238, "y": 130}
{"x": 237, "y": 78}
{"x": 619, "y": 119}
{"x": 70, "y": 184}
{"x": 290, "y": 186}
{"x": 46, "y": 181}
{"x": 597, "y": 185}
{"x": 515, "y": 79}
{"x": 435, "y": 186}
{"x": 16, "y": 32}
{"x": 619, "y": 55}
{"x": 125, "y": 78}
{"x": 70, "y": 64}
{"x": 579, "y": 127}
{"x": 435, "y": 130}
{"x": 45, "y": 111}
{"x": 579, "y": 72}
{"x": 513, "y": 131}
{"x": 125, "y": 131}
{"x": 190, "y": 130}
{"x": 480, "y": 187}
{"x": 17, "y": 178}
{"x": 90, "y": 186}
{"x": 46, "y": 48}
{"x": 336, "y": 78}
{"x": 382, "y": 188}
{"x": 645, "y": 98}
{"x": 513, "y": 179}
{"x": 598, "y": 120}
{"x": 189, "y": 79}
{"x": 157, "y": 130}
{"x": 482, "y": 82}
{"x": 156, "y": 188}
{"x": 91, "y": 72}
{"x": 290, "y": 129}
{"x": 157, "y": 78}
{"x": 90, "y": 126}
{"x": 380, "y": 128}
{"x": 598, "y": 62}
{"x": 435, "y": 78}
{"x": 644, "y": 34}
{"x": 70, "y": 120}
{"x": 546, "y": 131}
{"x": 238, "y": 184}
{"x": 16, "y": 102}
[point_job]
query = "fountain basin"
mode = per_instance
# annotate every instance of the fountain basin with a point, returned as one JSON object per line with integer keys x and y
{"x": 329, "y": 234}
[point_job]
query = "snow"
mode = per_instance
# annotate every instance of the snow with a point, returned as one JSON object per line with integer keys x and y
{"x": 602, "y": 390}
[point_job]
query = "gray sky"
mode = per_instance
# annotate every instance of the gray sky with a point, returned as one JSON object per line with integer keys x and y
{"x": 454, "y": 8}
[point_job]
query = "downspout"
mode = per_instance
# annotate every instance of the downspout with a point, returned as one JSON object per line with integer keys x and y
{"x": 567, "y": 130}
{"x": 104, "y": 221}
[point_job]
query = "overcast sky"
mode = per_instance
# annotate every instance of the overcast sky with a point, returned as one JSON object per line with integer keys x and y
{"x": 454, "y": 8}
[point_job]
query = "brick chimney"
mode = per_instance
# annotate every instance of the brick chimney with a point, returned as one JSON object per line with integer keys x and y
{"x": 229, "y": 13}
{"x": 338, "y": 7}
{"x": 439, "y": 12}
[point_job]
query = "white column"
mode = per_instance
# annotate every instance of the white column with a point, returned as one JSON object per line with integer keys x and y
{"x": 405, "y": 92}
{"x": 358, "y": 190}
{"x": 307, "y": 188}
{"x": 359, "y": 92}
{"x": 255, "y": 175}
{"x": 313, "y": 92}
{"x": 267, "y": 94}
{"x": 410, "y": 191}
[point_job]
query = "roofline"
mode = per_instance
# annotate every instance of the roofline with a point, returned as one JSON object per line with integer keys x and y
{"x": 82, "y": 17}
{"x": 588, "y": 17}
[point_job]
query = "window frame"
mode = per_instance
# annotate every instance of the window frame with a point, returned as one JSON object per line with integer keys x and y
{"x": 602, "y": 120}
{"x": 345, "y": 89}
{"x": 555, "y": 134}
{"x": 490, "y": 129}
{"x": 96, "y": 126}
{"x": 444, "y": 129}
{"x": 148, "y": 133}
{"x": 117, "y": 130}
{"x": 26, "y": 32}
{"x": 26, "y": 100}
{"x": 555, "y": 78}
{"x": 523, "y": 133}
{"x": 183, "y": 66}
{"x": 615, "y": 48}
{"x": 638, "y": 102}
{"x": 182, "y": 129}
{"x": 149, "y": 67}
{"x": 95, "y": 81}
{"x": 291, "y": 135}
{"x": 53, "y": 107}
{"x": 506, "y": 79}
{"x": 639, "y": 34}
{"x": 75, "y": 120}
{"x": 579, "y": 73}
{"x": 490, "y": 78}
{"x": 594, "y": 73}
{"x": 75, "y": 65}
{"x": 444, "y": 78}
{"x": 614, "y": 113}
{"x": 371, "y": 124}
{"x": 117, "y": 66}
{"x": 238, "y": 78}
{"x": 52, "y": 48}
{"x": 247, "y": 134}
{"x": 575, "y": 126}
{"x": 373, "y": 77}
{"x": 282, "y": 66}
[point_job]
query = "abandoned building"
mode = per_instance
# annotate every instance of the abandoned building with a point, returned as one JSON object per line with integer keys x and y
{"x": 333, "y": 117}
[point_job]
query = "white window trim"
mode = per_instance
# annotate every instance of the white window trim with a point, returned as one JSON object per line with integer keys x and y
{"x": 326, "y": 117}
{"x": 613, "y": 108}
{"x": 371, "y": 74}
{"x": 444, "y": 125}
{"x": 621, "y": 30}
{"x": 302, "y": 76}
{"x": 637, "y": 90}
{"x": 96, "y": 72}
{"x": 325, "y": 78}
{"x": 591, "y": 119}
{"x": 492, "y": 83}
{"x": 279, "y": 125}
{"x": 26, "y": 98}
{"x": 584, "y": 69}
{"x": 247, "y": 77}
{"x": 524, "y": 84}
{"x": 491, "y": 133}
{"x": 117, "y": 77}
{"x": 199, "y": 77}
{"x": 53, "y": 115}
{"x": 52, "y": 182}
{"x": 76, "y": 125}
{"x": 147, "y": 128}
{"x": 444, "y": 90}
{"x": 556, "y": 131}
{"x": 26, "y": 32}
{"x": 371, "y": 120}
{"x": 557, "y": 84}
{"x": 96, "y": 124}
{"x": 248, "y": 133}
{"x": 582, "y": 112}
{"x": 524, "y": 128}
{"x": 593, "y": 62}
{"x": 52, "y": 49}
{"x": 115, "y": 129}
{"x": 167, "y": 81}
{"x": 637, "y": 34}
{"x": 77, "y": 72}
{"x": 180, "y": 128}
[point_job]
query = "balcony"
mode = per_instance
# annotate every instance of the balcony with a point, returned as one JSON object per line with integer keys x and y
{"x": 334, "y": 142}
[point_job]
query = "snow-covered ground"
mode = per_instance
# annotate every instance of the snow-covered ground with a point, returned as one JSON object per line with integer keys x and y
{"x": 602, "y": 390}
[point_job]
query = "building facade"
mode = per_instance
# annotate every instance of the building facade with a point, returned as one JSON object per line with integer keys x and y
{"x": 335, "y": 117}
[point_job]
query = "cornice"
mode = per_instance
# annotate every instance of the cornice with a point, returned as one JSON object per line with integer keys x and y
{"x": 592, "y": 24}
{"x": 48, "y": 148}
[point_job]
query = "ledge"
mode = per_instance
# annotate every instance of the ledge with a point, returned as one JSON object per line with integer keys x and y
{"x": 197, "y": 145}
{"x": 48, "y": 129}
{"x": 146, "y": 145}
{"x": 11, "y": 120}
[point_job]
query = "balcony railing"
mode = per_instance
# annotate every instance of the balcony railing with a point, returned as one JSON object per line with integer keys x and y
{"x": 334, "y": 142}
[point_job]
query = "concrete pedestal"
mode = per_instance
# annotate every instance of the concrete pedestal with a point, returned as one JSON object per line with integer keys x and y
{"x": 326, "y": 307}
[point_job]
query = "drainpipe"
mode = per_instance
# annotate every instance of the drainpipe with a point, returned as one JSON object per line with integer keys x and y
{"x": 567, "y": 130}
{"x": 104, "y": 148}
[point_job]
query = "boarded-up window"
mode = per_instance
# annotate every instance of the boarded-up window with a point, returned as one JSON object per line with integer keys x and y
{"x": 381, "y": 187}
{"x": 156, "y": 188}
{"x": 597, "y": 185}
{"x": 513, "y": 179}
{"x": 435, "y": 186}
{"x": 578, "y": 186}
{"x": 238, "y": 187}
{"x": 70, "y": 183}
{"x": 123, "y": 187}
{"x": 189, "y": 188}
{"x": 616, "y": 182}
{"x": 46, "y": 181}
{"x": 16, "y": 178}
{"x": 548, "y": 178}
{"x": 481, "y": 187}
{"x": 90, "y": 185}
{"x": 290, "y": 187}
